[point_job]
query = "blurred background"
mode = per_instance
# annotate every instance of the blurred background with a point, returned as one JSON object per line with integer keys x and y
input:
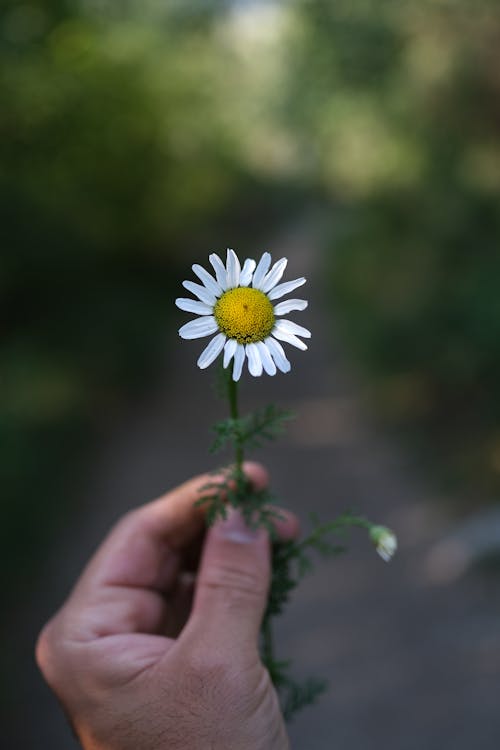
{"x": 360, "y": 138}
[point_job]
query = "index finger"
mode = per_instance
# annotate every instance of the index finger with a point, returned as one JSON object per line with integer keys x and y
{"x": 178, "y": 512}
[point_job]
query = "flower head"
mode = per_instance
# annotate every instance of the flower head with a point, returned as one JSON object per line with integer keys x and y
{"x": 385, "y": 541}
{"x": 237, "y": 306}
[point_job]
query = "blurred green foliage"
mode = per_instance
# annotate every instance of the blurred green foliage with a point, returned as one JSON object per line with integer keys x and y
{"x": 117, "y": 161}
{"x": 399, "y": 115}
{"x": 135, "y": 136}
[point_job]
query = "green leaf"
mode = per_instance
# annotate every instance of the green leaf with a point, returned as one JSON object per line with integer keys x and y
{"x": 251, "y": 430}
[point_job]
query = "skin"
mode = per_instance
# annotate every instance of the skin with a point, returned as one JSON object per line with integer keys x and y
{"x": 146, "y": 654}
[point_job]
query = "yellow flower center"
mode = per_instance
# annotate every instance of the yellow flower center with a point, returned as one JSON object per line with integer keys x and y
{"x": 244, "y": 314}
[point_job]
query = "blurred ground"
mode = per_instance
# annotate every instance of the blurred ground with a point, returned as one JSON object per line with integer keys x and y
{"x": 411, "y": 664}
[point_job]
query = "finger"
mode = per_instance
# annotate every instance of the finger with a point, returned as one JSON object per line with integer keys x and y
{"x": 232, "y": 586}
{"x": 286, "y": 524}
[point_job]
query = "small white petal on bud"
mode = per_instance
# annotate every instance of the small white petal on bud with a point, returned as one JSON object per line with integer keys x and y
{"x": 385, "y": 541}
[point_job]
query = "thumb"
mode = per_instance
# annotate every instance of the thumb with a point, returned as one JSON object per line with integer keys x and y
{"x": 233, "y": 583}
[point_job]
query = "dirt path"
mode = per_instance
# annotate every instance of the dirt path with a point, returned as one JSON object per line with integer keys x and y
{"x": 412, "y": 665}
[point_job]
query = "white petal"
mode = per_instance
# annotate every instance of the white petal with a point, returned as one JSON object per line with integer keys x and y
{"x": 288, "y": 286}
{"x": 211, "y": 351}
{"x": 283, "y": 308}
{"x": 278, "y": 354}
{"x": 201, "y": 292}
{"x": 233, "y": 269}
{"x": 239, "y": 358}
{"x": 267, "y": 360}
{"x": 290, "y": 339}
{"x": 247, "y": 271}
{"x": 229, "y": 350}
{"x": 207, "y": 280}
{"x": 287, "y": 326}
{"x": 193, "y": 306}
{"x": 261, "y": 270}
{"x": 220, "y": 270}
{"x": 254, "y": 360}
{"x": 199, "y": 327}
{"x": 274, "y": 275}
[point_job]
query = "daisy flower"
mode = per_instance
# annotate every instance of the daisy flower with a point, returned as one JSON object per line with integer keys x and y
{"x": 237, "y": 305}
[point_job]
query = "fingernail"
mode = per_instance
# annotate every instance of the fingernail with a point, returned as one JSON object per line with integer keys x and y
{"x": 234, "y": 527}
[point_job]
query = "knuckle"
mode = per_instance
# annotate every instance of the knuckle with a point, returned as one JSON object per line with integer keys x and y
{"x": 128, "y": 527}
{"x": 52, "y": 655}
{"x": 236, "y": 583}
{"x": 44, "y": 651}
{"x": 128, "y": 521}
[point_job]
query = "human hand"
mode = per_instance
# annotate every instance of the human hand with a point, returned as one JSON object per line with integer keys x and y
{"x": 138, "y": 664}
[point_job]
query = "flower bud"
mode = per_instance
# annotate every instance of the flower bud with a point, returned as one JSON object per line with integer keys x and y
{"x": 385, "y": 541}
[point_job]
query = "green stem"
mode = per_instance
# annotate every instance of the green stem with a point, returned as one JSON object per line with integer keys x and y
{"x": 267, "y": 644}
{"x": 232, "y": 389}
{"x": 266, "y": 631}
